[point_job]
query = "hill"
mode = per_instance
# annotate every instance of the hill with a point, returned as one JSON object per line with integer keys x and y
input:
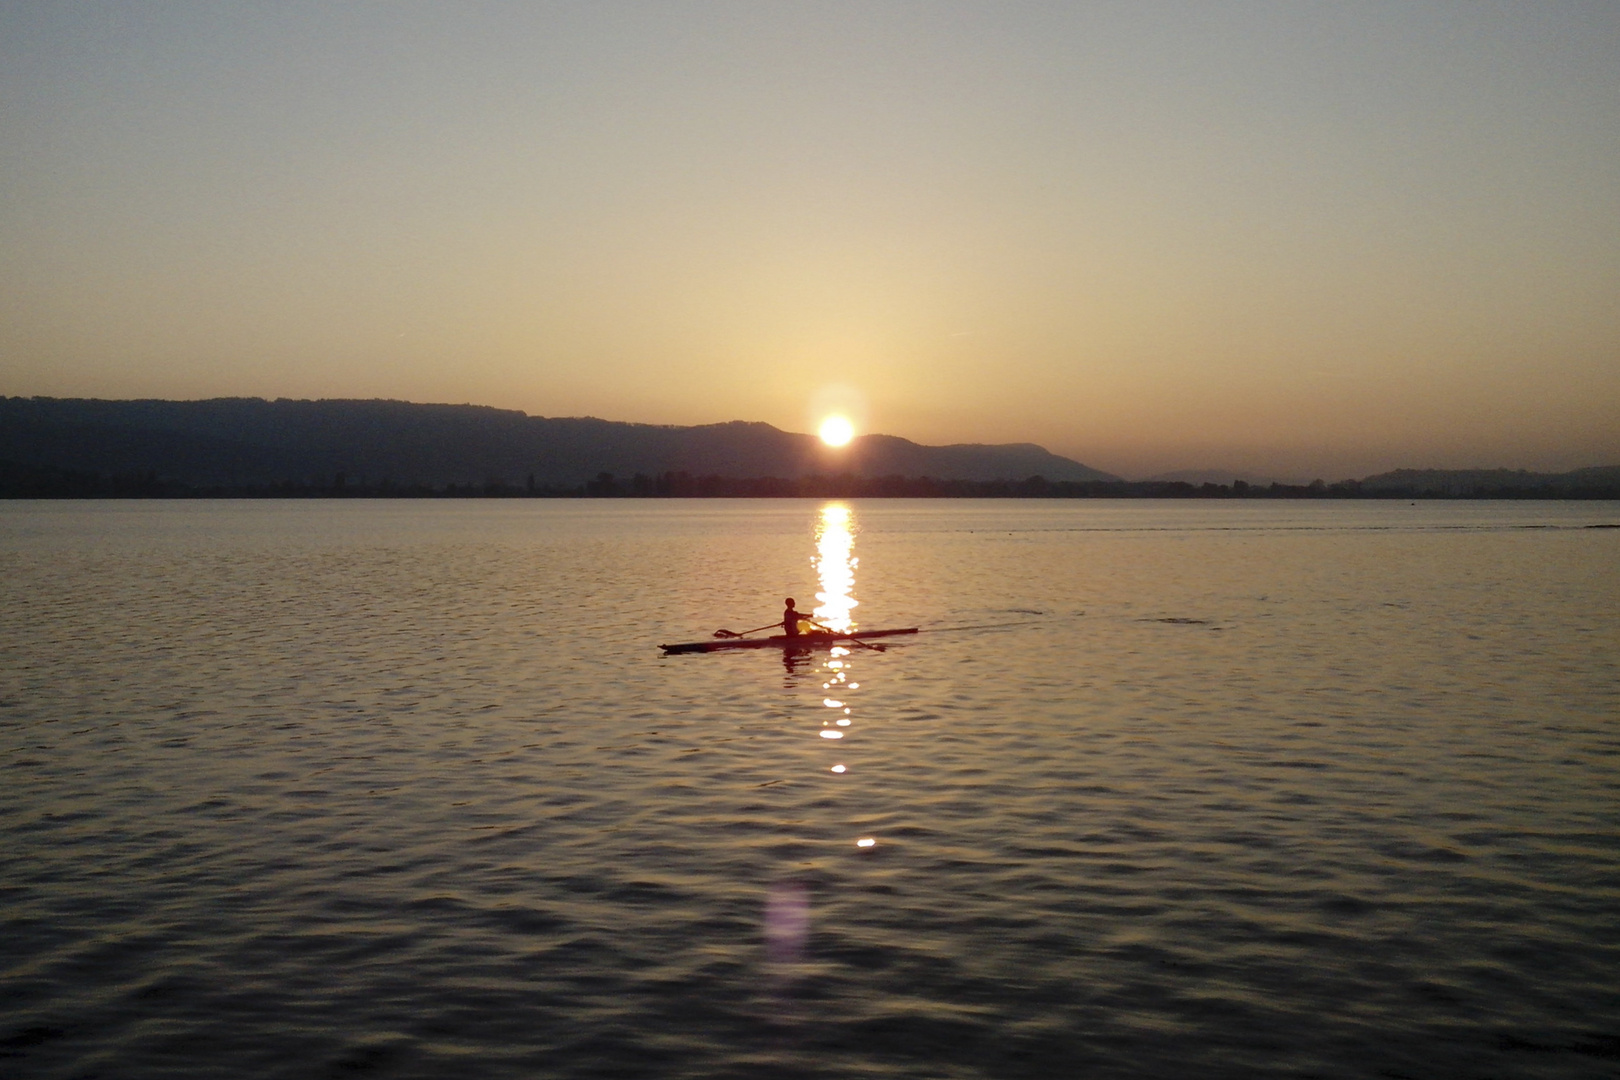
{"x": 241, "y": 442}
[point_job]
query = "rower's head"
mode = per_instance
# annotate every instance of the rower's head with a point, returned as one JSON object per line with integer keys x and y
{"x": 788, "y": 601}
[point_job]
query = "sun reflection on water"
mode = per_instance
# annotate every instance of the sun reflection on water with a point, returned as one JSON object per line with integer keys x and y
{"x": 835, "y": 564}
{"x": 789, "y": 909}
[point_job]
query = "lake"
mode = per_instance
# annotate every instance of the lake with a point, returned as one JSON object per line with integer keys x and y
{"x": 1193, "y": 788}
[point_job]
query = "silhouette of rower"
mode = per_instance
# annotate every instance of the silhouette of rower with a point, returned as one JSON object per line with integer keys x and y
{"x": 790, "y": 618}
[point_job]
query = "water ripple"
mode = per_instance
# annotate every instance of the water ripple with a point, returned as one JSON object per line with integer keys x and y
{"x": 298, "y": 790}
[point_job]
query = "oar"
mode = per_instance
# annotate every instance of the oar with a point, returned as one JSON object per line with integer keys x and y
{"x": 745, "y": 633}
{"x": 847, "y": 637}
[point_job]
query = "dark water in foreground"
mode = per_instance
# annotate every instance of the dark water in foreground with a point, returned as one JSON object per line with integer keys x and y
{"x": 404, "y": 789}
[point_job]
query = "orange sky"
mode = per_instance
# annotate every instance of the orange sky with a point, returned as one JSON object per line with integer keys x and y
{"x": 1308, "y": 240}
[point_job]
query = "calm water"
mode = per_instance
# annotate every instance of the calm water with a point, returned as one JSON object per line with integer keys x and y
{"x": 406, "y": 789}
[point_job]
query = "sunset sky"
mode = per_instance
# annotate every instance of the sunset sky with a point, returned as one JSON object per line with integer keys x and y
{"x": 1310, "y": 239}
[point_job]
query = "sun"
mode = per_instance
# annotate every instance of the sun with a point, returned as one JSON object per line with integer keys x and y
{"x": 836, "y": 431}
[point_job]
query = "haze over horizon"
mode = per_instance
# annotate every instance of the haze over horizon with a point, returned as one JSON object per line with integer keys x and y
{"x": 1324, "y": 240}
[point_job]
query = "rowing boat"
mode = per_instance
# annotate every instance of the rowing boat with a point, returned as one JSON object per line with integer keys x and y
{"x": 813, "y": 640}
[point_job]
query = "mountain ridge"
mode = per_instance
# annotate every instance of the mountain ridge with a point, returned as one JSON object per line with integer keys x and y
{"x": 246, "y": 441}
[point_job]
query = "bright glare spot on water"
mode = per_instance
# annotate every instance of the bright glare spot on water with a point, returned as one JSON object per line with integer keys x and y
{"x": 866, "y": 841}
{"x": 831, "y": 734}
{"x": 831, "y": 704}
{"x": 838, "y": 768}
{"x": 835, "y": 566}
{"x": 843, "y": 721}
{"x": 837, "y": 431}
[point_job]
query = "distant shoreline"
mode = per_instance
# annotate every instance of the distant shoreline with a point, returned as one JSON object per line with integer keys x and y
{"x": 67, "y": 448}
{"x": 44, "y": 482}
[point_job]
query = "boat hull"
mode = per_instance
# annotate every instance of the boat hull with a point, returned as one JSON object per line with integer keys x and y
{"x": 781, "y": 641}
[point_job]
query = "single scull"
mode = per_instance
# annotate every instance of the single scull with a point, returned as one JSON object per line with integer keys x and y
{"x": 813, "y": 640}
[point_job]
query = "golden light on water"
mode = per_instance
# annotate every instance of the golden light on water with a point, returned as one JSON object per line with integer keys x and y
{"x": 835, "y": 564}
{"x": 836, "y": 431}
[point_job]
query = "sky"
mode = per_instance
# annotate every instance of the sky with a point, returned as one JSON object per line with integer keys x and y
{"x": 1296, "y": 239}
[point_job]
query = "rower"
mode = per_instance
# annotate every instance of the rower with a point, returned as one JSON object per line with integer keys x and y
{"x": 790, "y": 618}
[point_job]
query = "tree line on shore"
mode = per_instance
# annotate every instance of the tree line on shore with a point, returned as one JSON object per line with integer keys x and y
{"x": 19, "y": 481}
